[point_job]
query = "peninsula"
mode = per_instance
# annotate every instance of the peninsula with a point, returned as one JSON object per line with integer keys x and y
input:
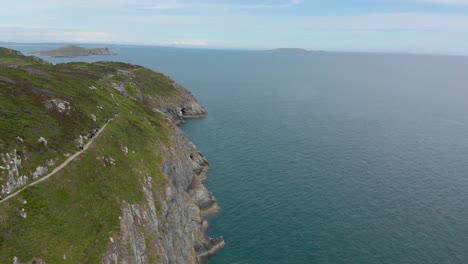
{"x": 93, "y": 168}
{"x": 74, "y": 51}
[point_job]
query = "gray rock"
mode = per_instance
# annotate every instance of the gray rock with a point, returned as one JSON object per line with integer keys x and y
{"x": 6, "y": 79}
{"x": 174, "y": 230}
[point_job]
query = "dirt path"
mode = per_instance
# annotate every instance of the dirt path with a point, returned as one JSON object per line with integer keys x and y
{"x": 58, "y": 168}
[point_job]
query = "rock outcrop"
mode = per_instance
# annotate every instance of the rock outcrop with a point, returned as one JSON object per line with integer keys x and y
{"x": 174, "y": 232}
{"x": 143, "y": 174}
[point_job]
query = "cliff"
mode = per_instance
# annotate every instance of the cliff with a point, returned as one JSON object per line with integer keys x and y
{"x": 74, "y": 51}
{"x": 121, "y": 182}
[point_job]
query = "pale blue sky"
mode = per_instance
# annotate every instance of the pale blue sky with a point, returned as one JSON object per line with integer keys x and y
{"x": 426, "y": 26}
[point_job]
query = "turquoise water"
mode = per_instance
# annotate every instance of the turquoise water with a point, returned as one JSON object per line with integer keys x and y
{"x": 328, "y": 157}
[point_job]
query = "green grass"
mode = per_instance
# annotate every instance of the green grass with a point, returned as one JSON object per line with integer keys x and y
{"x": 66, "y": 51}
{"x": 11, "y": 57}
{"x": 23, "y": 113}
{"x": 76, "y": 211}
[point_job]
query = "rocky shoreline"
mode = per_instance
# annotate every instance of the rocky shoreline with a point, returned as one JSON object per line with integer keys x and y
{"x": 186, "y": 202}
{"x": 136, "y": 196}
{"x": 204, "y": 200}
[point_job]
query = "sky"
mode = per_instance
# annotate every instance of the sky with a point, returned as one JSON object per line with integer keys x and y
{"x": 415, "y": 26}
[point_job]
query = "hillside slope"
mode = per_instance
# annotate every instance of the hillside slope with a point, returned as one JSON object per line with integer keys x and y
{"x": 134, "y": 196}
{"x": 74, "y": 51}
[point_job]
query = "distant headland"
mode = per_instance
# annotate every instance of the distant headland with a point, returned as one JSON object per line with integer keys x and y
{"x": 74, "y": 51}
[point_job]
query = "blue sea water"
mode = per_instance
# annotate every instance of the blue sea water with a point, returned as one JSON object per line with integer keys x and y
{"x": 328, "y": 157}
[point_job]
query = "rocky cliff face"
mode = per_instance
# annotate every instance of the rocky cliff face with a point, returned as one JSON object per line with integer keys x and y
{"x": 173, "y": 231}
{"x": 182, "y": 106}
{"x": 135, "y": 196}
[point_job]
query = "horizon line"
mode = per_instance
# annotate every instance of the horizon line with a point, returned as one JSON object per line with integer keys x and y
{"x": 227, "y": 48}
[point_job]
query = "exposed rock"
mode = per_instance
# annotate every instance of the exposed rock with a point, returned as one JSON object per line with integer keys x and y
{"x": 80, "y": 140}
{"x": 13, "y": 162}
{"x": 6, "y": 79}
{"x": 128, "y": 74}
{"x": 93, "y": 117}
{"x": 15, "y": 52}
{"x": 119, "y": 87}
{"x": 61, "y": 105}
{"x": 50, "y": 162}
{"x": 175, "y": 232}
{"x": 32, "y": 261}
{"x": 185, "y": 107}
{"x": 108, "y": 161}
{"x": 39, "y": 172}
{"x": 209, "y": 248}
{"x": 23, "y": 213}
{"x": 167, "y": 225}
{"x": 42, "y": 140}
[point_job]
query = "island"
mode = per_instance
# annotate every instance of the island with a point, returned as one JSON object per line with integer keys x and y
{"x": 74, "y": 51}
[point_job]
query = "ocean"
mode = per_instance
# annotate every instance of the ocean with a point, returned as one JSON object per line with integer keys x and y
{"x": 324, "y": 157}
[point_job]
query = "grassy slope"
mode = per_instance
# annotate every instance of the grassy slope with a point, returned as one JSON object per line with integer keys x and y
{"x": 76, "y": 211}
{"x": 9, "y": 56}
{"x": 67, "y": 51}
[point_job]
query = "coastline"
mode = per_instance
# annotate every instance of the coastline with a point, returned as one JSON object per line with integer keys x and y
{"x": 204, "y": 200}
{"x": 145, "y": 174}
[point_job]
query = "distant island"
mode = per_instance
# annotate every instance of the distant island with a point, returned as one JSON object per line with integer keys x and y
{"x": 291, "y": 49}
{"x": 74, "y": 51}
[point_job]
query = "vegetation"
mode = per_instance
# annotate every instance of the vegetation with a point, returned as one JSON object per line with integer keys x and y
{"x": 11, "y": 56}
{"x": 74, "y": 51}
{"x": 73, "y": 214}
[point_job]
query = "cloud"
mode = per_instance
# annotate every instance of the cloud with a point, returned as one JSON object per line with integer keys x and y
{"x": 39, "y": 34}
{"x": 197, "y": 30}
{"x": 186, "y": 42}
{"x": 388, "y": 21}
{"x": 133, "y": 5}
{"x": 226, "y": 23}
{"x": 223, "y": 5}
{"x": 445, "y": 2}
{"x": 295, "y": 2}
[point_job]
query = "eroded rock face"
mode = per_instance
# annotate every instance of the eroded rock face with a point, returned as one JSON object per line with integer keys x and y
{"x": 186, "y": 169}
{"x": 119, "y": 87}
{"x": 11, "y": 165}
{"x": 60, "y": 105}
{"x": 186, "y": 107}
{"x": 183, "y": 106}
{"x": 40, "y": 170}
{"x": 169, "y": 226}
